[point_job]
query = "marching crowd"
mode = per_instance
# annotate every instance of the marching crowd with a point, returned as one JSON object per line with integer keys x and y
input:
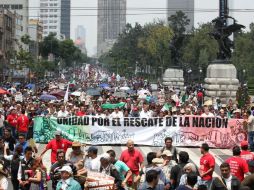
{"x": 165, "y": 169}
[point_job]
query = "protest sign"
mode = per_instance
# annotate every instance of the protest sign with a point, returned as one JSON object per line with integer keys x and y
{"x": 185, "y": 131}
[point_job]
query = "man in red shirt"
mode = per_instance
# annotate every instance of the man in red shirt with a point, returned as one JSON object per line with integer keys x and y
{"x": 207, "y": 165}
{"x": 12, "y": 121}
{"x": 57, "y": 144}
{"x": 245, "y": 154}
{"x": 134, "y": 160}
{"x": 22, "y": 123}
{"x": 238, "y": 166}
{"x": 82, "y": 112}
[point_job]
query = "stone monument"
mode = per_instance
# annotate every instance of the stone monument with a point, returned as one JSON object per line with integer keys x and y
{"x": 173, "y": 77}
{"x": 221, "y": 80}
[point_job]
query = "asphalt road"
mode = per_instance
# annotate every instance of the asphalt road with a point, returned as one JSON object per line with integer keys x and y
{"x": 194, "y": 153}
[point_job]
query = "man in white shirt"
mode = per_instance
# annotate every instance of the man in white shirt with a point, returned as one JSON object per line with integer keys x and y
{"x": 146, "y": 113}
{"x": 92, "y": 160}
{"x": 207, "y": 113}
{"x": 62, "y": 112}
{"x": 116, "y": 114}
{"x": 226, "y": 179}
{"x": 250, "y": 123}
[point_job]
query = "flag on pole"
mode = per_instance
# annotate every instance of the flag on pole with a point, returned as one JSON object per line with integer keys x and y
{"x": 62, "y": 76}
{"x": 66, "y": 96}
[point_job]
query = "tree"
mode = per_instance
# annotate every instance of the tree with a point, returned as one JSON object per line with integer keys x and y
{"x": 201, "y": 48}
{"x": 178, "y": 23}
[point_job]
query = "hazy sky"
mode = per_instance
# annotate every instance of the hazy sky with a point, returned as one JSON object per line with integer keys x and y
{"x": 90, "y": 22}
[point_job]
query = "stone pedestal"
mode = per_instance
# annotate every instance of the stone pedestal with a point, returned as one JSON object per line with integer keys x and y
{"x": 221, "y": 81}
{"x": 173, "y": 78}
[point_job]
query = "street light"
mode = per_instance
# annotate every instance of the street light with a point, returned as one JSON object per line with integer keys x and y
{"x": 189, "y": 75}
{"x": 200, "y": 73}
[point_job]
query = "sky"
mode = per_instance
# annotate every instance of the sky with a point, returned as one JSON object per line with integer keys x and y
{"x": 90, "y": 22}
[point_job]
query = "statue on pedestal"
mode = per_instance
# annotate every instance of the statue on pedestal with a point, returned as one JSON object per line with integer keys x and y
{"x": 222, "y": 31}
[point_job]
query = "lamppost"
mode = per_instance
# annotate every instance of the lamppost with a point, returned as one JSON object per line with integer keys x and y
{"x": 244, "y": 71}
{"x": 200, "y": 74}
{"x": 189, "y": 75}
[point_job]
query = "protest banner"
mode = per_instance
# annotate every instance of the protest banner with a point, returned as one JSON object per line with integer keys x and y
{"x": 185, "y": 131}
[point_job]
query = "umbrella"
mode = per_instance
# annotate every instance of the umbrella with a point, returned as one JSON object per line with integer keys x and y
{"x": 58, "y": 93}
{"x": 104, "y": 85}
{"x": 125, "y": 88}
{"x": 120, "y": 94}
{"x": 47, "y": 97}
{"x": 93, "y": 92}
{"x": 131, "y": 91}
{"x": 76, "y": 93}
{"x": 143, "y": 92}
{"x": 30, "y": 86}
{"x": 2, "y": 91}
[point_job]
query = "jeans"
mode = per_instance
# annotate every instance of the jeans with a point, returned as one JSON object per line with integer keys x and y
{"x": 251, "y": 140}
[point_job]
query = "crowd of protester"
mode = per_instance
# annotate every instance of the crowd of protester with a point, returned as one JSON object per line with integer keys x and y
{"x": 165, "y": 169}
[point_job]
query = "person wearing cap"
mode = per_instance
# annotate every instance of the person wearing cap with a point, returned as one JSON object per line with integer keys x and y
{"x": 154, "y": 163}
{"x": 168, "y": 146}
{"x": 237, "y": 114}
{"x": 168, "y": 163}
{"x": 67, "y": 182}
{"x": 76, "y": 155}
{"x": 245, "y": 153}
{"x": 222, "y": 114}
{"x": 58, "y": 143}
{"x": 12, "y": 121}
{"x": 92, "y": 160}
{"x": 134, "y": 112}
{"x": 109, "y": 169}
{"x": 55, "y": 168}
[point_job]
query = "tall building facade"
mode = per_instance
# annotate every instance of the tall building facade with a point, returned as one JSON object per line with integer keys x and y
{"x": 55, "y": 16}
{"x": 20, "y": 8}
{"x": 80, "y": 38}
{"x": 186, "y": 6}
{"x": 111, "y": 22}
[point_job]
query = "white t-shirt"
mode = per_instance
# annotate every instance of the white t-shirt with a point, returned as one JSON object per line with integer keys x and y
{"x": 93, "y": 164}
{"x": 116, "y": 115}
{"x": 62, "y": 114}
{"x": 4, "y": 183}
{"x": 228, "y": 182}
{"x": 251, "y": 123}
{"x": 147, "y": 114}
{"x": 207, "y": 115}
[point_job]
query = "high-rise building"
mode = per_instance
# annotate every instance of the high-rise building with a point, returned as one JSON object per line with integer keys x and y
{"x": 186, "y": 6}
{"x": 55, "y": 16}
{"x": 111, "y": 22}
{"x": 80, "y": 38}
{"x": 20, "y": 8}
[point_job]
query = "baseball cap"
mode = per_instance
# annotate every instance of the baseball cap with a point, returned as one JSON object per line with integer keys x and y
{"x": 66, "y": 169}
{"x": 57, "y": 133}
{"x": 244, "y": 143}
{"x": 157, "y": 161}
{"x": 167, "y": 153}
{"x": 92, "y": 148}
{"x": 76, "y": 144}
